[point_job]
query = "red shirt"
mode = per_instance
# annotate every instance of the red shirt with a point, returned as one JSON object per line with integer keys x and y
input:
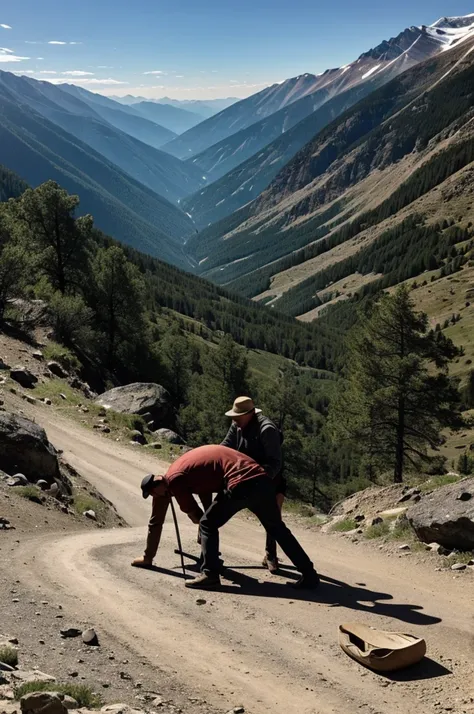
{"x": 209, "y": 469}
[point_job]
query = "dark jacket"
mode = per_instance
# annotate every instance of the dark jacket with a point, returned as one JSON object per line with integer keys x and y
{"x": 261, "y": 440}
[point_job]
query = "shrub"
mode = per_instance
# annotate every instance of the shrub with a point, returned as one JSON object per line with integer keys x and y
{"x": 377, "y": 531}
{"x": 348, "y": 524}
{"x": 32, "y": 493}
{"x": 8, "y": 655}
{"x": 62, "y": 355}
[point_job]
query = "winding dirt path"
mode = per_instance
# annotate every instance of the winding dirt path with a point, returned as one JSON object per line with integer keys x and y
{"x": 257, "y": 642}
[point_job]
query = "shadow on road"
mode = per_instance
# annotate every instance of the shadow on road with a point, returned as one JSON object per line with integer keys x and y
{"x": 426, "y": 669}
{"x": 332, "y": 592}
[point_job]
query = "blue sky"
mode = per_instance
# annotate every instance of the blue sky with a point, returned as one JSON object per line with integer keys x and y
{"x": 212, "y": 48}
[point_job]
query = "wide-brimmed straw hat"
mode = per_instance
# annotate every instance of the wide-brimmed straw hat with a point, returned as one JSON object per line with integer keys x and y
{"x": 242, "y": 406}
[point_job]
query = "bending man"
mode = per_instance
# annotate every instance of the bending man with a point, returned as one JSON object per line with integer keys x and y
{"x": 240, "y": 483}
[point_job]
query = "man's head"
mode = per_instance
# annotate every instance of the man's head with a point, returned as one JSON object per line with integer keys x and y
{"x": 153, "y": 486}
{"x": 243, "y": 411}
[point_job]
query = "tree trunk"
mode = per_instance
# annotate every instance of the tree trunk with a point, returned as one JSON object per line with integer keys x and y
{"x": 399, "y": 450}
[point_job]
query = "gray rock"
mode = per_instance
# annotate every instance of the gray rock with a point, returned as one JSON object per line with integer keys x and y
{"x": 90, "y": 514}
{"x": 6, "y": 667}
{"x": 412, "y": 493}
{"x": 444, "y": 518}
{"x": 138, "y": 437}
{"x": 89, "y": 637}
{"x": 359, "y": 518}
{"x": 20, "y": 675}
{"x": 155, "y": 445}
{"x": 37, "y": 355}
{"x": 24, "y": 446}
{"x": 42, "y": 484}
{"x": 376, "y": 521}
{"x": 405, "y": 546}
{"x": 47, "y": 401}
{"x": 24, "y": 377}
{"x": 4, "y": 365}
{"x": 42, "y": 703}
{"x": 459, "y": 566}
{"x": 66, "y": 700}
{"x": 120, "y": 709}
{"x": 56, "y": 369}
{"x": 140, "y": 398}
{"x": 19, "y": 480}
{"x": 437, "y": 548}
{"x": 63, "y": 396}
{"x": 170, "y": 436}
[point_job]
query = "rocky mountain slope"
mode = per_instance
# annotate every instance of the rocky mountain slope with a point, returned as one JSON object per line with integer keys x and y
{"x": 240, "y": 167}
{"x": 161, "y": 172}
{"x": 404, "y": 151}
{"x": 38, "y": 150}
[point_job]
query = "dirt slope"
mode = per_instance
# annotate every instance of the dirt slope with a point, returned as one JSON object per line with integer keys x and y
{"x": 257, "y": 643}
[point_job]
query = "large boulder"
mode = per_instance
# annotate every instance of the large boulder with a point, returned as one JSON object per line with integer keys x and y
{"x": 140, "y": 398}
{"x": 24, "y": 377}
{"x": 446, "y": 516}
{"x": 170, "y": 436}
{"x": 24, "y": 447}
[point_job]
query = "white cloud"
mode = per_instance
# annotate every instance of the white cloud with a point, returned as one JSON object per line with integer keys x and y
{"x": 5, "y": 50}
{"x": 75, "y": 43}
{"x": 5, "y": 27}
{"x": 89, "y": 81}
{"x": 78, "y": 73}
{"x": 11, "y": 58}
{"x": 40, "y": 58}
{"x": 104, "y": 66}
{"x": 179, "y": 76}
{"x": 48, "y": 71}
{"x": 57, "y": 42}
{"x": 33, "y": 42}
{"x": 21, "y": 72}
{"x": 155, "y": 71}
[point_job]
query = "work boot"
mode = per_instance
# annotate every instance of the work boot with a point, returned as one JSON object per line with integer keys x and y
{"x": 271, "y": 564}
{"x": 204, "y": 581}
{"x": 308, "y": 581}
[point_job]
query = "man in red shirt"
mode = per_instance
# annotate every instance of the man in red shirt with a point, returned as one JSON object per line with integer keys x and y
{"x": 240, "y": 483}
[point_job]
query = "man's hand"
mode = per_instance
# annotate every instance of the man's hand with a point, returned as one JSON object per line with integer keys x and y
{"x": 196, "y": 515}
{"x": 142, "y": 562}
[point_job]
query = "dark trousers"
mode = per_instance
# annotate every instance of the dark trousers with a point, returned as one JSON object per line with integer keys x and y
{"x": 258, "y": 495}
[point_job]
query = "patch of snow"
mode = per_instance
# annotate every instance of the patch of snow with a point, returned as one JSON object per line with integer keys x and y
{"x": 371, "y": 71}
{"x": 220, "y": 202}
{"x": 189, "y": 215}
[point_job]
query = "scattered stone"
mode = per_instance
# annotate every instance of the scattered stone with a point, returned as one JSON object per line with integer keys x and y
{"x": 125, "y": 675}
{"x": 201, "y": 601}
{"x": 359, "y": 518}
{"x": 120, "y": 709}
{"x": 376, "y": 521}
{"x": 439, "y": 549}
{"x": 90, "y": 514}
{"x": 47, "y": 401}
{"x": 24, "y": 377}
{"x": 105, "y": 429}
{"x": 405, "y": 546}
{"x": 89, "y": 637}
{"x": 13, "y": 641}
{"x": 42, "y": 484}
{"x": 70, "y": 632}
{"x": 444, "y": 517}
{"x": 102, "y": 412}
{"x": 63, "y": 396}
{"x": 155, "y": 445}
{"x": 411, "y": 494}
{"x": 138, "y": 437}
{"x": 459, "y": 566}
{"x": 4, "y": 365}
{"x": 464, "y": 496}
{"x": 30, "y": 400}
{"x": 6, "y": 667}
{"x": 237, "y": 710}
{"x": 56, "y": 369}
{"x": 37, "y": 355}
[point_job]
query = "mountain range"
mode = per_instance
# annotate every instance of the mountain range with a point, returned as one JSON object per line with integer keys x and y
{"x": 269, "y": 191}
{"x": 355, "y": 204}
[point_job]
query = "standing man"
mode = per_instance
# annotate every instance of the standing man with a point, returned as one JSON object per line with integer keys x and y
{"x": 239, "y": 483}
{"x": 256, "y": 435}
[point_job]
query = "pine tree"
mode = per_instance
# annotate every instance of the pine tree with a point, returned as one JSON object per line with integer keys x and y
{"x": 177, "y": 356}
{"x": 45, "y": 220}
{"x": 398, "y": 395}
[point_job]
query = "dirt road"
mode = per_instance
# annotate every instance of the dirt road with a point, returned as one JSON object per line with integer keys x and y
{"x": 257, "y": 643}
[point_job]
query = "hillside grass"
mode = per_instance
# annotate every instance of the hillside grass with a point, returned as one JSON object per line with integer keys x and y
{"x": 8, "y": 655}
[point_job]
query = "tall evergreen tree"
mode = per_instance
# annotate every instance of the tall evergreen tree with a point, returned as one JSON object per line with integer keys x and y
{"x": 398, "y": 395}
{"x": 45, "y": 220}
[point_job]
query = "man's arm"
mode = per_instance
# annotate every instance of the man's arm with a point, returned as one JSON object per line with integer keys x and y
{"x": 185, "y": 499}
{"x": 231, "y": 438}
{"x": 270, "y": 438}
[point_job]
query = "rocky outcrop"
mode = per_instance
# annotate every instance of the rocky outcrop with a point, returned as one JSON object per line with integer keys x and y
{"x": 446, "y": 516}
{"x": 143, "y": 398}
{"x": 24, "y": 447}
